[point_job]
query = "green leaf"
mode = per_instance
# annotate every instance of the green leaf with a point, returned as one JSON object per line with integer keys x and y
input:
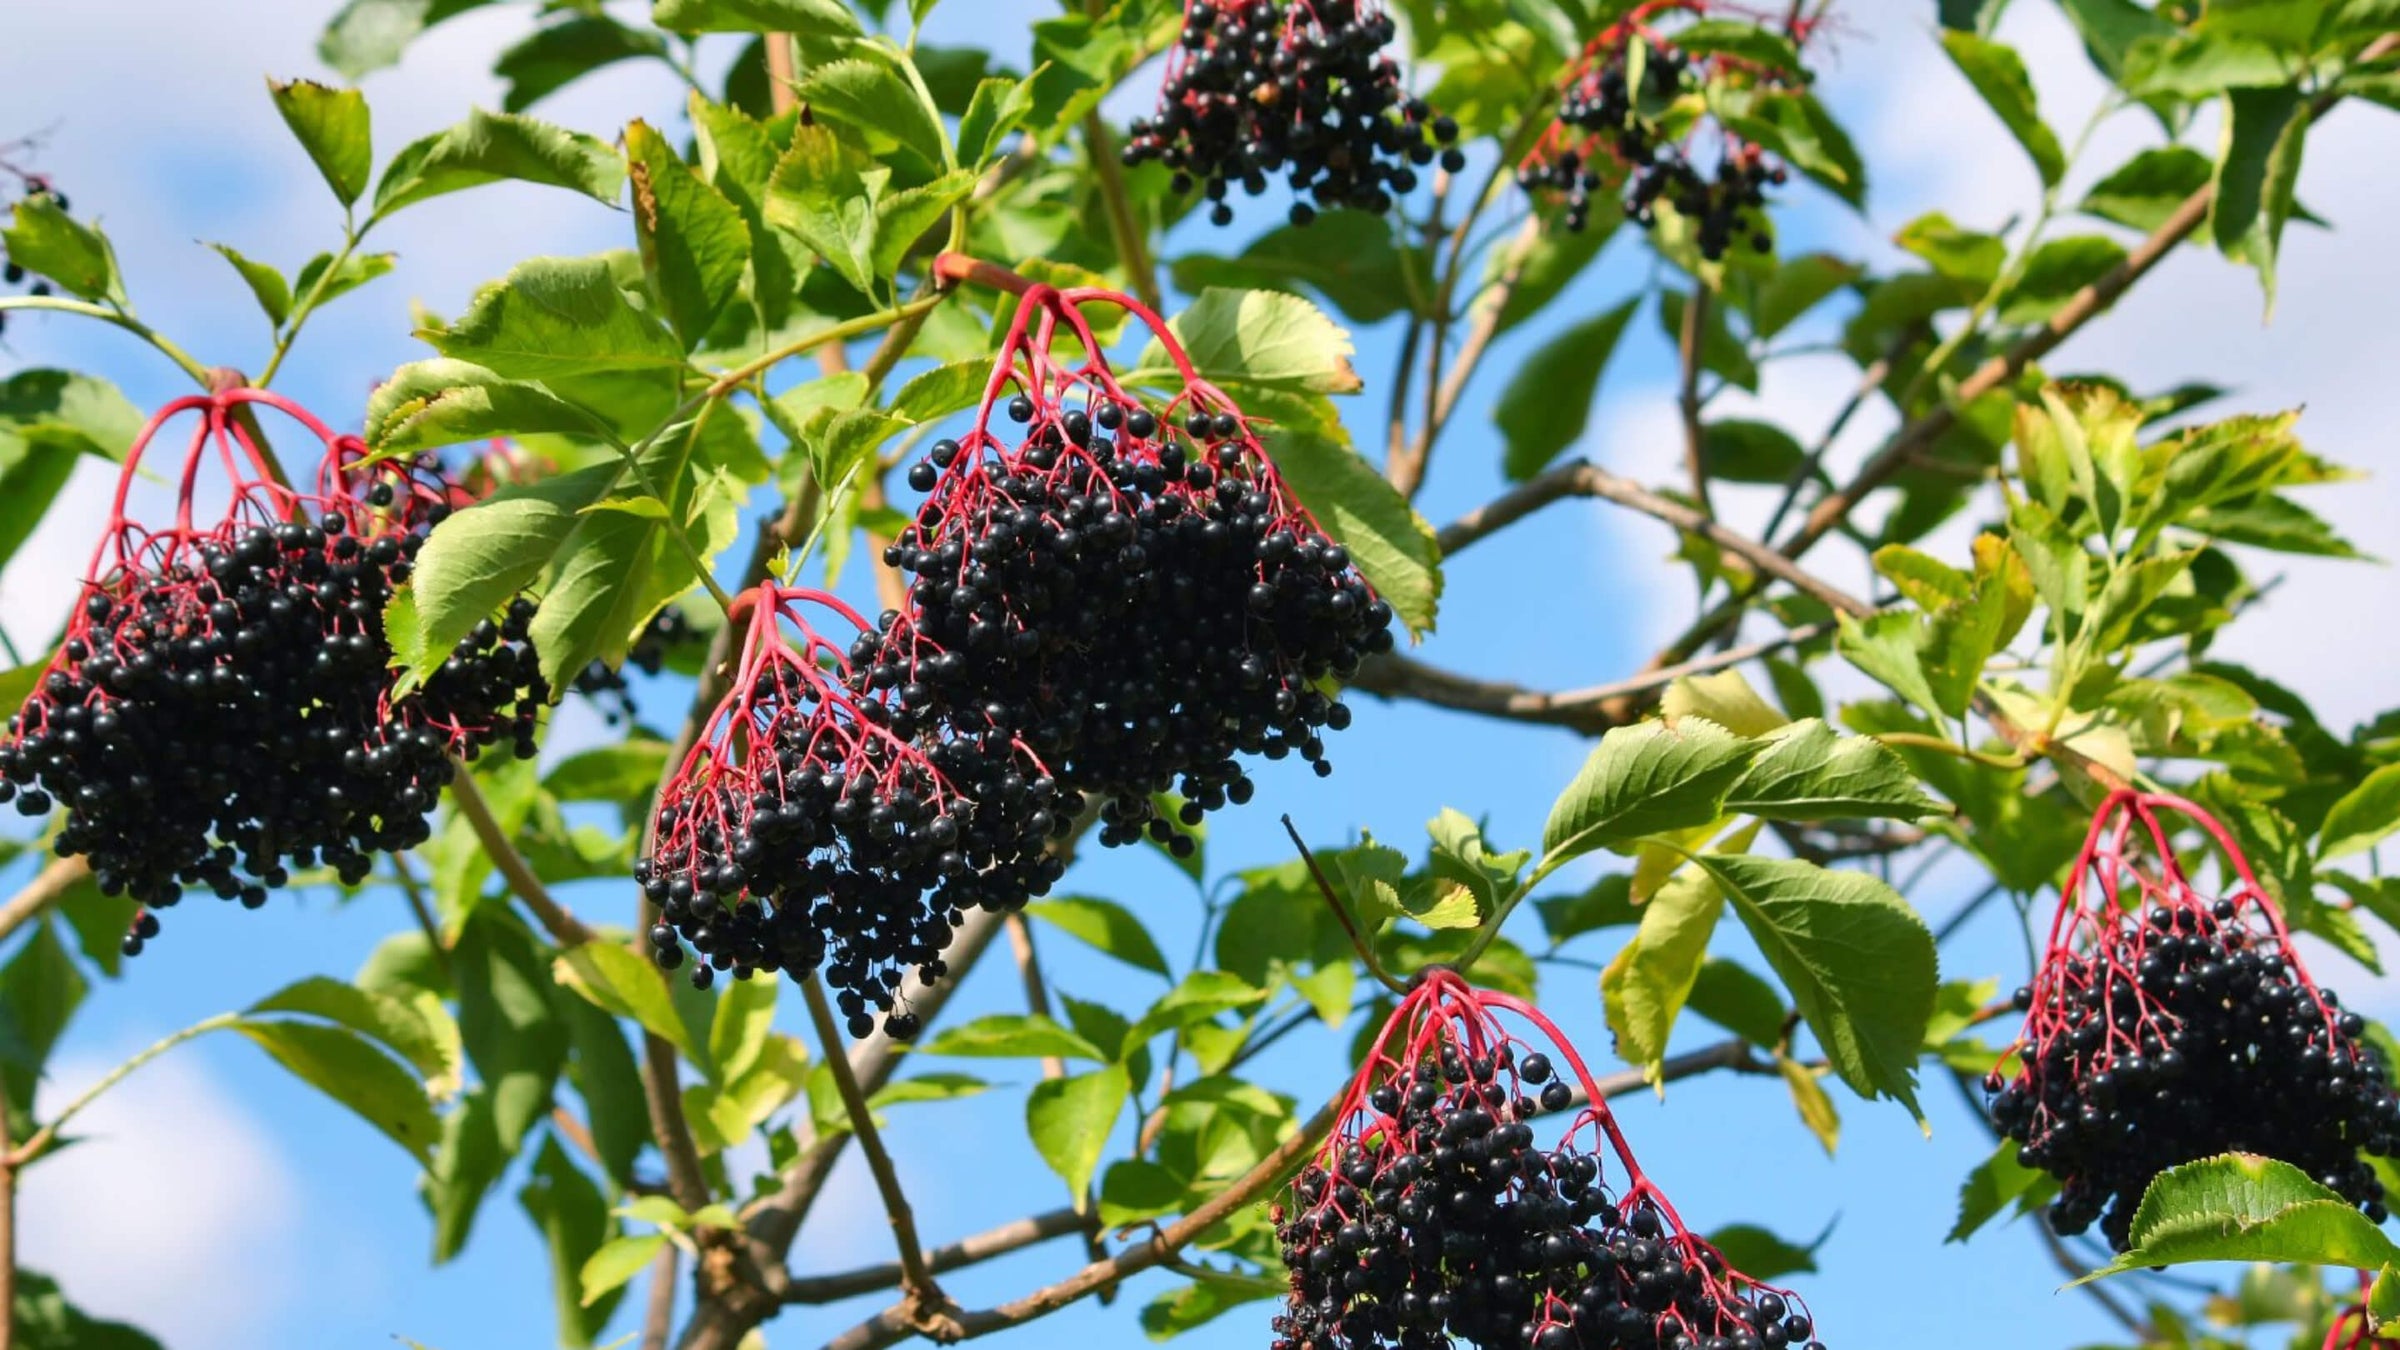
{"x": 995, "y": 109}
{"x": 2055, "y": 273}
{"x": 1798, "y": 286}
{"x": 483, "y": 556}
{"x": 1724, "y": 698}
{"x": 2111, "y": 27}
{"x": 624, "y": 771}
{"x": 2149, "y": 187}
{"x": 738, "y": 1033}
{"x": 2199, "y": 65}
{"x": 814, "y": 18}
{"x": 1392, "y": 545}
{"x": 929, "y": 1087}
{"x": 615, "y": 1263}
{"x": 1345, "y": 256}
{"x": 371, "y": 34}
{"x": 267, "y": 285}
{"x": 1995, "y": 1184}
{"x": 1760, "y": 1254}
{"x": 48, "y": 420}
{"x": 1738, "y": 1001}
{"x": 351, "y": 273}
{"x": 1104, "y": 924}
{"x": 332, "y": 125}
{"x": 1807, "y": 772}
{"x": 344, "y": 1066}
{"x": 2241, "y": 1207}
{"x": 465, "y": 1167}
{"x": 556, "y": 55}
{"x": 1463, "y": 857}
{"x": 1270, "y": 339}
{"x": 512, "y": 1033}
{"x": 1967, "y": 256}
{"x": 1747, "y": 42}
{"x": 1738, "y": 450}
{"x": 40, "y": 989}
{"x": 1799, "y": 129}
{"x": 615, "y": 1104}
{"x": 2265, "y": 130}
{"x": 44, "y": 1320}
{"x": 2362, "y": 817}
{"x": 822, "y": 192}
{"x": 873, "y": 99}
{"x": 1857, "y": 960}
{"x": 426, "y": 405}
{"x": 693, "y": 241}
{"x": 574, "y": 1221}
{"x": 1998, "y": 75}
{"x": 1646, "y": 779}
{"x": 1549, "y": 400}
{"x": 1070, "y": 1120}
{"x": 1814, "y": 1104}
{"x": 1645, "y": 987}
{"x": 943, "y": 390}
{"x": 557, "y": 316}
{"x": 1202, "y": 996}
{"x": 621, "y": 982}
{"x": 44, "y": 240}
{"x": 905, "y": 217}
{"x": 400, "y": 1027}
{"x": 492, "y": 147}
{"x": 1208, "y": 1297}
{"x": 1013, "y": 1036}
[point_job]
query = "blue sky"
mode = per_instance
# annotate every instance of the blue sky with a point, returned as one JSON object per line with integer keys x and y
{"x": 222, "y": 1204}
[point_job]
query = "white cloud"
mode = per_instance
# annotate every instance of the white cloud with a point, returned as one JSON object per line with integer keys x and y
{"x": 173, "y": 1211}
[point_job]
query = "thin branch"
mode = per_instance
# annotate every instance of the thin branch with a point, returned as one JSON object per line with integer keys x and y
{"x": 1133, "y": 247}
{"x": 924, "y": 1297}
{"x": 57, "y": 878}
{"x": 1483, "y": 324}
{"x": 985, "y": 1246}
{"x": 1687, "y": 399}
{"x": 410, "y": 887}
{"x": 658, "y": 1313}
{"x": 892, "y": 1325}
{"x": 8, "y": 1235}
{"x": 47, "y": 1135}
{"x": 1590, "y": 711}
{"x": 563, "y": 927}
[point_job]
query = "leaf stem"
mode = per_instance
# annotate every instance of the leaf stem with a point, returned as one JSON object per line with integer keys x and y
{"x": 41, "y": 1139}
{"x": 1333, "y": 901}
{"x": 1912, "y": 740}
{"x": 352, "y": 236}
{"x": 563, "y": 926}
{"x": 726, "y": 383}
{"x": 111, "y": 315}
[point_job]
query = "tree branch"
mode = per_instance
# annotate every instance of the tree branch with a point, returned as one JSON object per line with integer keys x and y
{"x": 563, "y": 927}
{"x": 891, "y": 1326}
{"x": 658, "y": 1314}
{"x": 1483, "y": 324}
{"x": 984, "y": 1246}
{"x": 8, "y": 1234}
{"x": 55, "y": 879}
{"x": 1687, "y": 399}
{"x": 1029, "y": 970}
{"x": 1590, "y": 711}
{"x": 924, "y": 1297}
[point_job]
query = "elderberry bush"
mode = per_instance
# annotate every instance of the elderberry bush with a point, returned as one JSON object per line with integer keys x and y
{"x": 818, "y": 822}
{"x": 668, "y": 630}
{"x": 2182, "y": 1032}
{"x": 220, "y": 714}
{"x": 1141, "y": 601}
{"x": 1304, "y": 91}
{"x": 1434, "y": 1218}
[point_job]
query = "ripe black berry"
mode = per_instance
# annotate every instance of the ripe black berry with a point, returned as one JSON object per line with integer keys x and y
{"x": 1141, "y": 606}
{"x": 2166, "y": 1026}
{"x": 1433, "y": 1217}
{"x": 1302, "y": 90}
{"x": 821, "y": 819}
{"x": 221, "y": 712}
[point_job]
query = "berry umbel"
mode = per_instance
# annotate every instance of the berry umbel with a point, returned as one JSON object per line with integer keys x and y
{"x": 2166, "y": 1024}
{"x": 1132, "y": 588}
{"x": 1629, "y": 125}
{"x": 1432, "y": 1216}
{"x": 221, "y": 711}
{"x": 1304, "y": 91}
{"x": 819, "y": 820}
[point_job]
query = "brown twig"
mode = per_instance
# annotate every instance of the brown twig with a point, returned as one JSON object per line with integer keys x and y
{"x": 1133, "y": 246}
{"x": 1687, "y": 398}
{"x": 927, "y": 1307}
{"x": 56, "y": 878}
{"x": 1483, "y": 324}
{"x": 8, "y": 1234}
{"x": 563, "y": 927}
{"x": 984, "y": 1246}
{"x": 1590, "y": 711}
{"x": 658, "y": 1312}
{"x": 1029, "y": 970}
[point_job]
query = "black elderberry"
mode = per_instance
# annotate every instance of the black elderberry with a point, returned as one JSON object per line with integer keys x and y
{"x": 2156, "y": 1039}
{"x": 1303, "y": 91}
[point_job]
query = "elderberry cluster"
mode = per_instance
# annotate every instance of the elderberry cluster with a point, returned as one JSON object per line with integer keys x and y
{"x": 1604, "y": 141}
{"x": 223, "y": 721}
{"x": 2194, "y": 1036}
{"x": 852, "y": 833}
{"x": 1305, "y": 91}
{"x": 1447, "y": 1224}
{"x": 667, "y": 631}
{"x": 1139, "y": 609}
